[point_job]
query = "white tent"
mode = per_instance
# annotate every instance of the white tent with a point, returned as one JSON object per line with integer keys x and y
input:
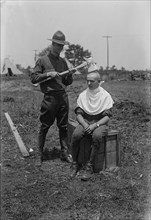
{"x": 9, "y": 68}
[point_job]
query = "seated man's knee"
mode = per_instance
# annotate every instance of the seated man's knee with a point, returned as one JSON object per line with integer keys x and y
{"x": 77, "y": 134}
{"x": 98, "y": 135}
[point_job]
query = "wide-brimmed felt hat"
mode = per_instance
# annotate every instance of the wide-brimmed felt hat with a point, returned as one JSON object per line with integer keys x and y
{"x": 59, "y": 38}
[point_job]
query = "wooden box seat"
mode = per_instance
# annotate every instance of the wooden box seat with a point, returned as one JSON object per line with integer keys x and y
{"x": 108, "y": 156}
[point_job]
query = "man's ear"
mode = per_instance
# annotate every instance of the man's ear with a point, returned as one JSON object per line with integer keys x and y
{"x": 101, "y": 82}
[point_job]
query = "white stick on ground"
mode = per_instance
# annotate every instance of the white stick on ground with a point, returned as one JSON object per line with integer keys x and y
{"x": 17, "y": 136}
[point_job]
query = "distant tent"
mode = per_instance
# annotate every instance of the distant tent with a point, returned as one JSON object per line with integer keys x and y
{"x": 9, "y": 68}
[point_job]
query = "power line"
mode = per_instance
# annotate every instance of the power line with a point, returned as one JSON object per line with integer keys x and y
{"x": 107, "y": 38}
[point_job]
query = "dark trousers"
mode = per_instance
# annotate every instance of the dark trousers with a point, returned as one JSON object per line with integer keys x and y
{"x": 95, "y": 138}
{"x": 54, "y": 106}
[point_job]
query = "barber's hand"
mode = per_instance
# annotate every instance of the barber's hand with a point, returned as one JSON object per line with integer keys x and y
{"x": 90, "y": 129}
{"x": 53, "y": 74}
{"x": 72, "y": 71}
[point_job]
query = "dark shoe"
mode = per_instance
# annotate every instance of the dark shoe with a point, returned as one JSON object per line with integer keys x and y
{"x": 87, "y": 173}
{"x": 75, "y": 169}
{"x": 66, "y": 157}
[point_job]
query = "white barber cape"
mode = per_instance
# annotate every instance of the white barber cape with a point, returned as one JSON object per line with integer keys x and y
{"x": 94, "y": 102}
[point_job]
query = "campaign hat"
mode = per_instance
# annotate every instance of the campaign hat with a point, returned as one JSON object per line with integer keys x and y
{"x": 59, "y": 38}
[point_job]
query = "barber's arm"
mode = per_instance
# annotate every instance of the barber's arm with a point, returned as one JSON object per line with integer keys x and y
{"x": 39, "y": 73}
{"x": 67, "y": 79}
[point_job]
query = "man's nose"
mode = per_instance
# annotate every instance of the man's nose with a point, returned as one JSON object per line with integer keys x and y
{"x": 61, "y": 46}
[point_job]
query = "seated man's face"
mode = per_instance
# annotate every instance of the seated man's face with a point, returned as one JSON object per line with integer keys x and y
{"x": 93, "y": 81}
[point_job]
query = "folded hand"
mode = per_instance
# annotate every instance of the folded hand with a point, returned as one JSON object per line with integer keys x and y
{"x": 90, "y": 129}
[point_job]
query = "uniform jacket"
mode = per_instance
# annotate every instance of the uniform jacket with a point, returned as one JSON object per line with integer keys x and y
{"x": 50, "y": 63}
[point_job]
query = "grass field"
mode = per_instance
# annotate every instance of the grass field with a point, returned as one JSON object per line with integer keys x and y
{"x": 49, "y": 193}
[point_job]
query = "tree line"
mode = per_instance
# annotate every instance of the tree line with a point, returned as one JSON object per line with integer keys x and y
{"x": 75, "y": 54}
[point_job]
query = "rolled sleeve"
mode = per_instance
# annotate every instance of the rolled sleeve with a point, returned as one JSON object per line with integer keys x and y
{"x": 38, "y": 74}
{"x": 107, "y": 112}
{"x": 79, "y": 111}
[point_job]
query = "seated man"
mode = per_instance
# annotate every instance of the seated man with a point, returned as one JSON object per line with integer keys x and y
{"x": 93, "y": 112}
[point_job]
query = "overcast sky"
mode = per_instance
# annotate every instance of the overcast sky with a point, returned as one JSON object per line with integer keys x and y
{"x": 26, "y": 25}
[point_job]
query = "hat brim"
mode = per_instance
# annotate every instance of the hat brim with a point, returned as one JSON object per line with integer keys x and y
{"x": 59, "y": 42}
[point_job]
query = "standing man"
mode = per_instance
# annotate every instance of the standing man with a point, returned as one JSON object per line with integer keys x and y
{"x": 55, "y": 101}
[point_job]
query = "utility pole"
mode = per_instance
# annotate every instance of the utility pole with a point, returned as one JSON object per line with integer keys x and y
{"x": 35, "y": 55}
{"x": 107, "y": 38}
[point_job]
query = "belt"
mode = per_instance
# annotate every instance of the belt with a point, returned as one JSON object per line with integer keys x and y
{"x": 55, "y": 92}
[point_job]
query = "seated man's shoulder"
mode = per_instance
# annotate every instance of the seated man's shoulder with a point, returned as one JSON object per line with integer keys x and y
{"x": 83, "y": 92}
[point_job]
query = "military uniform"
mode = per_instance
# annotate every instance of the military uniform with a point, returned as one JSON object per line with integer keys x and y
{"x": 55, "y": 102}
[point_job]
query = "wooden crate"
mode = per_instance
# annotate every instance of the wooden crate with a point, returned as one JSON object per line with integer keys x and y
{"x": 108, "y": 155}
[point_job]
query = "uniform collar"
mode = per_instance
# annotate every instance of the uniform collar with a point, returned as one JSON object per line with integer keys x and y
{"x": 53, "y": 56}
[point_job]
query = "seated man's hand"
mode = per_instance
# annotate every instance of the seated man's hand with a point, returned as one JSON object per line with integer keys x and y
{"x": 53, "y": 74}
{"x": 85, "y": 125}
{"x": 90, "y": 129}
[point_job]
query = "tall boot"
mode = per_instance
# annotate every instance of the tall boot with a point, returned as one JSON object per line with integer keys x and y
{"x": 39, "y": 160}
{"x": 64, "y": 156}
{"x": 41, "y": 142}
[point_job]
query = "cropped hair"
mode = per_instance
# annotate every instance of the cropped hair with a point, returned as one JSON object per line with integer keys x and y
{"x": 96, "y": 75}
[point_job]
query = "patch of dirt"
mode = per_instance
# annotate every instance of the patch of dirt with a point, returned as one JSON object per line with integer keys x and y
{"x": 50, "y": 194}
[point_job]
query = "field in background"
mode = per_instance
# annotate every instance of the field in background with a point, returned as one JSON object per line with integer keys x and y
{"x": 28, "y": 193}
{"x": 136, "y": 91}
